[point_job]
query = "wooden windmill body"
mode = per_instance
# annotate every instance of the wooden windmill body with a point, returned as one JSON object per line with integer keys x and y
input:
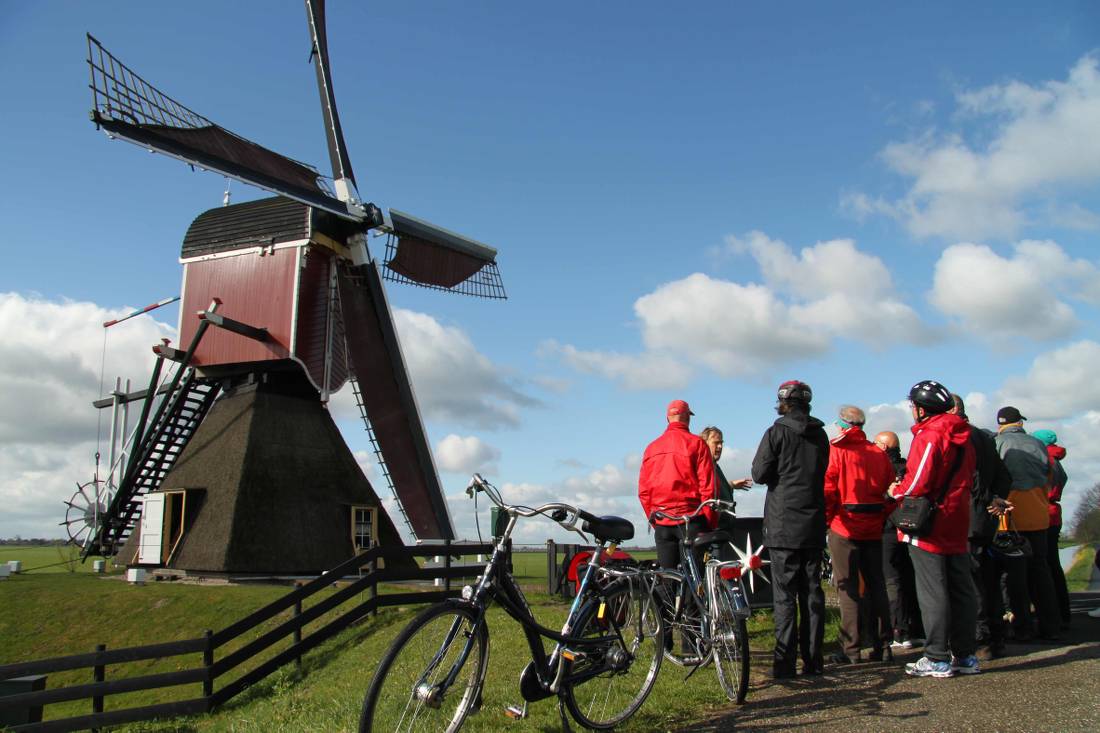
{"x": 241, "y": 469}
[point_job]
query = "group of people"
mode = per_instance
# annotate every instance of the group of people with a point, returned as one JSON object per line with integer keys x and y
{"x": 988, "y": 519}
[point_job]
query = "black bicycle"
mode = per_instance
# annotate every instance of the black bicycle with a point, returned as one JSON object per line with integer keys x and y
{"x": 705, "y": 607}
{"x": 602, "y": 666}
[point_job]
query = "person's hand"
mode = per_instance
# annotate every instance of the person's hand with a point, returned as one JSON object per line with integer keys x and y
{"x": 745, "y": 484}
{"x": 999, "y": 507}
{"x": 893, "y": 487}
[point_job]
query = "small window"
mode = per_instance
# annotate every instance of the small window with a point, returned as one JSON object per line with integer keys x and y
{"x": 364, "y": 527}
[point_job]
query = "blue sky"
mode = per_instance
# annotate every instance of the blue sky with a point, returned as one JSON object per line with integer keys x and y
{"x": 696, "y": 202}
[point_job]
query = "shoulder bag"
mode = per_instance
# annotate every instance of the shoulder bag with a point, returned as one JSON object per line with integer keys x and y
{"x": 915, "y": 515}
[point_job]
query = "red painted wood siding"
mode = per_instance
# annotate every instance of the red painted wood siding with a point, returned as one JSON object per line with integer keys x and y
{"x": 255, "y": 290}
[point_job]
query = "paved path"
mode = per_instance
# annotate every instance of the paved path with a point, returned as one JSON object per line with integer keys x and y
{"x": 1035, "y": 688}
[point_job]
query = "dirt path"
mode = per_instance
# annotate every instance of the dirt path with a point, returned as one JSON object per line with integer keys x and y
{"x": 1035, "y": 688}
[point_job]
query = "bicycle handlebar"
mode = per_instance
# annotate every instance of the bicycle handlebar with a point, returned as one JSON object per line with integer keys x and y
{"x": 565, "y": 515}
{"x": 721, "y": 505}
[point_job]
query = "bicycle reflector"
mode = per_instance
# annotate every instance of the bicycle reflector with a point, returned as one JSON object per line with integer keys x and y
{"x": 755, "y": 562}
{"x": 732, "y": 572}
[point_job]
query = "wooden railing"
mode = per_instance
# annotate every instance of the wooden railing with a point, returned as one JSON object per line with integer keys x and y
{"x": 208, "y": 645}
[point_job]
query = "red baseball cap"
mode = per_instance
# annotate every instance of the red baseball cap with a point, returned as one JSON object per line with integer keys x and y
{"x": 678, "y": 407}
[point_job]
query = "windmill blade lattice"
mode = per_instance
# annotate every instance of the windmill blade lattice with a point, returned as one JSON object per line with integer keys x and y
{"x": 85, "y": 511}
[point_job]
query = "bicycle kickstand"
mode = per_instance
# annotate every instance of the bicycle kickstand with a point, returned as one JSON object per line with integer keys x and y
{"x": 564, "y": 718}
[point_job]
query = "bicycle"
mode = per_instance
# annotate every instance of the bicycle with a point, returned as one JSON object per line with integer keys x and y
{"x": 709, "y": 608}
{"x": 602, "y": 666}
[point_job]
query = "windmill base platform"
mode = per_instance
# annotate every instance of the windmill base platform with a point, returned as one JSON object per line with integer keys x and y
{"x": 266, "y": 486}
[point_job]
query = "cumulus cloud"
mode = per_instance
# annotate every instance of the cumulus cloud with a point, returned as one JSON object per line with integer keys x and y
{"x": 826, "y": 291}
{"x": 1004, "y": 298}
{"x": 1031, "y": 141}
{"x": 50, "y": 359}
{"x": 1060, "y": 383}
{"x": 466, "y": 455}
{"x": 453, "y": 381}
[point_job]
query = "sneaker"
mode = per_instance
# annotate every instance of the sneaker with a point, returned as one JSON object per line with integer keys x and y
{"x": 841, "y": 658}
{"x": 966, "y": 665}
{"x": 925, "y": 667}
{"x": 1094, "y": 613}
{"x": 901, "y": 644}
{"x": 914, "y": 642}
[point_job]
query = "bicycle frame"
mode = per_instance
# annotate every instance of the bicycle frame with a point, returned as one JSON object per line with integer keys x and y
{"x": 496, "y": 584}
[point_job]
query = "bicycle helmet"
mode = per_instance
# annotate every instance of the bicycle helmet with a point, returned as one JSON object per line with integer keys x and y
{"x": 794, "y": 390}
{"x": 932, "y": 396}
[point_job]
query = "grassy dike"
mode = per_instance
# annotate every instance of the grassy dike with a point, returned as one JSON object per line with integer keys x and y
{"x": 55, "y": 614}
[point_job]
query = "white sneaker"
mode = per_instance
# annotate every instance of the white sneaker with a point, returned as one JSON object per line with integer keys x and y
{"x": 1095, "y": 613}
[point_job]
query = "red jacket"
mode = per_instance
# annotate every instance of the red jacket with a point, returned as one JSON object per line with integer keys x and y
{"x": 677, "y": 474}
{"x": 856, "y": 484}
{"x": 1057, "y": 482}
{"x": 936, "y": 442}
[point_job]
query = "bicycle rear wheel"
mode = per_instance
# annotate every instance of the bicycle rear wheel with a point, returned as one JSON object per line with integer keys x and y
{"x": 409, "y": 690}
{"x": 610, "y": 682}
{"x": 731, "y": 645}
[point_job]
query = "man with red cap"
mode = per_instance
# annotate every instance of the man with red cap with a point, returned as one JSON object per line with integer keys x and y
{"x": 677, "y": 475}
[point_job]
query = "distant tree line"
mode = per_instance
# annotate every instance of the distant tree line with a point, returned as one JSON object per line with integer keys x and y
{"x": 37, "y": 541}
{"x": 1086, "y": 520}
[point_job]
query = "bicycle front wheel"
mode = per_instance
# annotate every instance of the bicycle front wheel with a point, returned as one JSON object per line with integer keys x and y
{"x": 731, "y": 645}
{"x": 430, "y": 678}
{"x": 611, "y": 681}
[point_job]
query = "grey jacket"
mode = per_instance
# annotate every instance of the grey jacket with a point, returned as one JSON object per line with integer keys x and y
{"x": 1025, "y": 456}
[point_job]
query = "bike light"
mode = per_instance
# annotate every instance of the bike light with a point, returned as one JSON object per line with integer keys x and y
{"x": 730, "y": 573}
{"x": 467, "y": 592}
{"x": 755, "y": 563}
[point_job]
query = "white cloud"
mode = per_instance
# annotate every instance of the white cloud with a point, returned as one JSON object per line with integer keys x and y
{"x": 829, "y": 290}
{"x": 453, "y": 381}
{"x": 1060, "y": 384}
{"x": 50, "y": 359}
{"x": 466, "y": 455}
{"x": 1037, "y": 140}
{"x": 1004, "y": 298}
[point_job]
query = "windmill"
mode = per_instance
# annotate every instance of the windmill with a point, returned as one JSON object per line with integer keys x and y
{"x": 240, "y": 468}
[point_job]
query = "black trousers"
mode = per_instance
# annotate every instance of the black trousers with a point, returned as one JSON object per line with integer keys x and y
{"x": 799, "y": 604}
{"x": 851, "y": 558}
{"x": 1057, "y": 575}
{"x": 986, "y": 568}
{"x": 901, "y": 586}
{"x": 948, "y": 603}
{"x": 667, "y": 539}
{"x": 1029, "y": 582}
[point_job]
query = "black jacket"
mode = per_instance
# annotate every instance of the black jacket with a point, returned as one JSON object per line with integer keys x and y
{"x": 791, "y": 460}
{"x": 993, "y": 479}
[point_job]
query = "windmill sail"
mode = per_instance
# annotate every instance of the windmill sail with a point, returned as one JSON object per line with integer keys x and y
{"x": 128, "y": 107}
{"x": 421, "y": 253}
{"x": 390, "y": 403}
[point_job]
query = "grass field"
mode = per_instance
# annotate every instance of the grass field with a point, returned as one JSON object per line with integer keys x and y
{"x": 56, "y": 613}
{"x": 52, "y": 559}
{"x": 1077, "y": 577}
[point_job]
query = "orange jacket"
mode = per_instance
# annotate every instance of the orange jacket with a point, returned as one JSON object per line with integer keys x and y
{"x": 856, "y": 484}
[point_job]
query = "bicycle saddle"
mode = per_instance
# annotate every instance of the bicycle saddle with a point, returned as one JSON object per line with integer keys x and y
{"x": 709, "y": 538}
{"x": 609, "y": 529}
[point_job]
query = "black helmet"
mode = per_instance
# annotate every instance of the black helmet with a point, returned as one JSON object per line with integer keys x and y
{"x": 932, "y": 396}
{"x": 795, "y": 390}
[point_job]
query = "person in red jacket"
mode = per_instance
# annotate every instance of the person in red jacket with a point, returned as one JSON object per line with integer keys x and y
{"x": 677, "y": 475}
{"x": 941, "y": 466}
{"x": 1058, "y": 479}
{"x": 857, "y": 480}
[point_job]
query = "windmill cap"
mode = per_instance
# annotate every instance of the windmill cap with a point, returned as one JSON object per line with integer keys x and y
{"x": 1009, "y": 415}
{"x": 679, "y": 407}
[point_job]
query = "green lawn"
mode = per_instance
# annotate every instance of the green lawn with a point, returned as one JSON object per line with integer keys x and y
{"x": 51, "y": 559}
{"x": 51, "y": 614}
{"x": 1077, "y": 579}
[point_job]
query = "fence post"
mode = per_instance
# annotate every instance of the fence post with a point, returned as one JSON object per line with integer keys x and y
{"x": 99, "y": 674}
{"x": 373, "y": 587}
{"x": 447, "y": 564}
{"x": 208, "y": 664}
{"x": 298, "y": 629}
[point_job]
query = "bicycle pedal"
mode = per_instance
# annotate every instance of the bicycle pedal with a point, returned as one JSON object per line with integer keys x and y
{"x": 572, "y": 656}
{"x": 516, "y": 712}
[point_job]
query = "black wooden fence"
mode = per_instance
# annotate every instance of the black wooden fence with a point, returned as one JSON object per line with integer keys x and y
{"x": 213, "y": 668}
